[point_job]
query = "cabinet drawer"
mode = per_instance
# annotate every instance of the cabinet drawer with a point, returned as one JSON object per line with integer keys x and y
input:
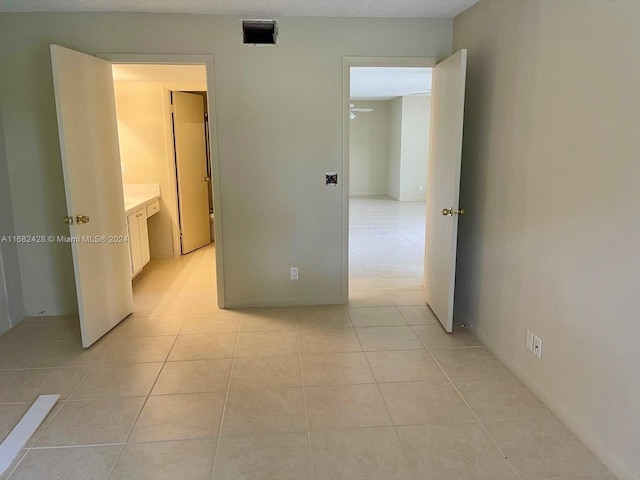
{"x": 153, "y": 208}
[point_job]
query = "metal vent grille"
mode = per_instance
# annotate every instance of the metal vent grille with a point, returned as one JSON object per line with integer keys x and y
{"x": 259, "y": 32}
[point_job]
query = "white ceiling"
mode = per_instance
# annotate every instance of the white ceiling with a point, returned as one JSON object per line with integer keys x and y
{"x": 319, "y": 8}
{"x": 189, "y": 74}
{"x": 384, "y": 83}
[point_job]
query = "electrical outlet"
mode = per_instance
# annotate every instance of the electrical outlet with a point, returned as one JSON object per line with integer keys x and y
{"x": 530, "y": 337}
{"x": 294, "y": 273}
{"x": 537, "y": 346}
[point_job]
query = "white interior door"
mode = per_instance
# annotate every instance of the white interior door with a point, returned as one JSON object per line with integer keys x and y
{"x": 445, "y": 152}
{"x": 85, "y": 106}
{"x": 191, "y": 169}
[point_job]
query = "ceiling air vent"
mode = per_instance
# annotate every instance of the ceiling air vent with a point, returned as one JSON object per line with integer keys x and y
{"x": 259, "y": 32}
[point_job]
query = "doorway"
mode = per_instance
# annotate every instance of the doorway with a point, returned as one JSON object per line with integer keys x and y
{"x": 201, "y": 80}
{"x": 162, "y": 129}
{"x": 389, "y": 123}
{"x": 104, "y": 260}
{"x": 443, "y": 186}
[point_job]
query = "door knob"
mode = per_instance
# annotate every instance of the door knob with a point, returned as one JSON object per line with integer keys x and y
{"x": 207, "y": 179}
{"x": 82, "y": 219}
{"x": 450, "y": 212}
{"x": 68, "y": 220}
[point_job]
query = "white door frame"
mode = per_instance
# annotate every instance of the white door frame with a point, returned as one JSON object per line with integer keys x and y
{"x": 347, "y": 63}
{"x": 5, "y": 314}
{"x": 207, "y": 61}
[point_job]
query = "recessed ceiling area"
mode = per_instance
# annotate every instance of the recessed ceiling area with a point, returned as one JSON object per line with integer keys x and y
{"x": 184, "y": 74}
{"x": 312, "y": 8}
{"x": 385, "y": 83}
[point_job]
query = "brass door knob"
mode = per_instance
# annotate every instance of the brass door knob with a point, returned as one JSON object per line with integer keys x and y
{"x": 82, "y": 219}
{"x": 68, "y": 220}
{"x": 450, "y": 212}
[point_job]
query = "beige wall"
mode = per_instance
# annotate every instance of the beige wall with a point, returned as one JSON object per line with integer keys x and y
{"x": 395, "y": 148}
{"x": 415, "y": 148}
{"x": 369, "y": 149}
{"x": 11, "y": 301}
{"x": 146, "y": 150}
{"x": 146, "y": 138}
{"x": 408, "y": 148}
{"x": 279, "y": 125}
{"x": 550, "y": 183}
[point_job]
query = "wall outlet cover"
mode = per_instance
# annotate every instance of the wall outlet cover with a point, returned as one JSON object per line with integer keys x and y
{"x": 537, "y": 346}
{"x": 294, "y": 273}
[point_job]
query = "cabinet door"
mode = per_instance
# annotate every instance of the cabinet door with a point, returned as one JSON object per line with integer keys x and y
{"x": 134, "y": 242}
{"x": 144, "y": 236}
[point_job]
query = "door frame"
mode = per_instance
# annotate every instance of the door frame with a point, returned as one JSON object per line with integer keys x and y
{"x": 214, "y": 161}
{"x": 347, "y": 63}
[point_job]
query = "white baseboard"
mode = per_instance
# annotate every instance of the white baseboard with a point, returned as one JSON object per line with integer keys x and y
{"x": 284, "y": 302}
{"x": 606, "y": 456}
{"x": 52, "y": 312}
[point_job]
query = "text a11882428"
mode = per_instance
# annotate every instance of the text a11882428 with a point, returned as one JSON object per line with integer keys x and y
{"x": 64, "y": 239}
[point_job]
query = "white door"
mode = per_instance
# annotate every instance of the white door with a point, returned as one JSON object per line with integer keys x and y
{"x": 445, "y": 152}
{"x": 191, "y": 168}
{"x": 85, "y": 105}
{"x": 134, "y": 243}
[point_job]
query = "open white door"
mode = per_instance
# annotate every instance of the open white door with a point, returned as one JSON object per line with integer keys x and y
{"x": 85, "y": 105}
{"x": 445, "y": 153}
{"x": 191, "y": 167}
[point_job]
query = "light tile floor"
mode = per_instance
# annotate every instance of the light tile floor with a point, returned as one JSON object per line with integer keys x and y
{"x": 182, "y": 390}
{"x": 386, "y": 252}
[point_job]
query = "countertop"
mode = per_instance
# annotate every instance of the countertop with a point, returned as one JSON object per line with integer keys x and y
{"x": 137, "y": 196}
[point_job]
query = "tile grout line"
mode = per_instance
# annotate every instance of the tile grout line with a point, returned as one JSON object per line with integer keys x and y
{"x": 472, "y": 411}
{"x": 144, "y": 403}
{"x": 90, "y": 368}
{"x": 304, "y": 397}
{"x": 393, "y": 425}
{"x": 62, "y": 405}
{"x": 226, "y": 399}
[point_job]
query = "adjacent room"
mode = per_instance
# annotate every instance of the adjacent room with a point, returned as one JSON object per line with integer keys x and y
{"x": 388, "y": 159}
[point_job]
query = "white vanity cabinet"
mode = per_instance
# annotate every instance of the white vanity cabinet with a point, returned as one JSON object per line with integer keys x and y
{"x": 140, "y": 202}
{"x": 138, "y": 240}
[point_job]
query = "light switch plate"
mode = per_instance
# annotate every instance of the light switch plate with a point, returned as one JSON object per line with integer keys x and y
{"x": 530, "y": 337}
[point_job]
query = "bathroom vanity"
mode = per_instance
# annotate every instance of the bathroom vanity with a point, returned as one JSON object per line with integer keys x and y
{"x": 141, "y": 201}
